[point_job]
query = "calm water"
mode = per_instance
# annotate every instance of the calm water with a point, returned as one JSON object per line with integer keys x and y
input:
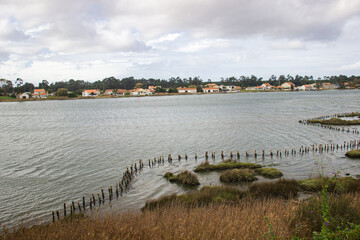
{"x": 58, "y": 151}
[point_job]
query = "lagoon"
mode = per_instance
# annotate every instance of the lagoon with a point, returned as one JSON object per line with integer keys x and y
{"x": 59, "y": 151}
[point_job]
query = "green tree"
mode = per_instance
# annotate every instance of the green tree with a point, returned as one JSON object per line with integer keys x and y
{"x": 62, "y": 92}
{"x": 138, "y": 85}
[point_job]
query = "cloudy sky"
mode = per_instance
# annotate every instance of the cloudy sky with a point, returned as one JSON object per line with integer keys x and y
{"x": 93, "y": 39}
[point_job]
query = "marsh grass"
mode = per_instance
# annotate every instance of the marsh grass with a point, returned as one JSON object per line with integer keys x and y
{"x": 185, "y": 178}
{"x": 206, "y": 166}
{"x": 335, "y": 121}
{"x": 203, "y": 197}
{"x": 335, "y": 185}
{"x": 238, "y": 176}
{"x": 353, "y": 154}
{"x": 282, "y": 188}
{"x": 268, "y": 172}
{"x": 242, "y": 221}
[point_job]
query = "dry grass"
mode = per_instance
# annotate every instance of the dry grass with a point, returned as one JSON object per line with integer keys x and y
{"x": 243, "y": 221}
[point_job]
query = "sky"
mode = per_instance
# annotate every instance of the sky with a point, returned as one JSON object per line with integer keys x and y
{"x": 58, "y": 40}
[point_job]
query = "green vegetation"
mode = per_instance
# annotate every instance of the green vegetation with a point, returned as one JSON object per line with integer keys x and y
{"x": 282, "y": 188}
{"x": 269, "y": 172}
{"x": 353, "y": 154}
{"x": 335, "y": 121}
{"x": 238, "y": 175}
{"x": 203, "y": 197}
{"x": 62, "y": 92}
{"x": 353, "y": 114}
{"x": 185, "y": 178}
{"x": 5, "y": 98}
{"x": 335, "y": 185}
{"x": 225, "y": 166}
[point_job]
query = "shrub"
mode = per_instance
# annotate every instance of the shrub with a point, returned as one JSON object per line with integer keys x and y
{"x": 342, "y": 211}
{"x": 282, "y": 188}
{"x": 335, "y": 185}
{"x": 185, "y": 178}
{"x": 238, "y": 175}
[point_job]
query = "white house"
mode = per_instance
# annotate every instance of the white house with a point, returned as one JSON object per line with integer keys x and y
{"x": 211, "y": 89}
{"x": 141, "y": 92}
{"x": 91, "y": 93}
{"x": 306, "y": 87}
{"x": 288, "y": 85}
{"x": 25, "y": 95}
{"x": 121, "y": 92}
{"x": 39, "y": 93}
{"x": 229, "y": 88}
{"x": 109, "y": 92}
{"x": 327, "y": 85}
{"x": 266, "y": 86}
{"x": 187, "y": 90}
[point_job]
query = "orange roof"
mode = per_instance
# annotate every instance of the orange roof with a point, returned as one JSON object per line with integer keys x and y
{"x": 109, "y": 90}
{"x": 259, "y": 87}
{"x": 91, "y": 91}
{"x": 267, "y": 84}
{"x": 279, "y": 87}
{"x": 290, "y": 83}
{"x": 209, "y": 88}
{"x": 39, "y": 90}
{"x": 121, "y": 90}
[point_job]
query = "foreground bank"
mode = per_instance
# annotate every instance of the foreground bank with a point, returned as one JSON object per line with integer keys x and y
{"x": 265, "y": 211}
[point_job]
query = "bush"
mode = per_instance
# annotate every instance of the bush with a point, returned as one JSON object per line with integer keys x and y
{"x": 185, "y": 178}
{"x": 62, "y": 92}
{"x": 238, "y": 175}
{"x": 72, "y": 95}
{"x": 342, "y": 211}
{"x": 282, "y": 188}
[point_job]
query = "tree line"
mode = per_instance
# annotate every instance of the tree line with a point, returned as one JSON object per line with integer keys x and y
{"x": 77, "y": 86}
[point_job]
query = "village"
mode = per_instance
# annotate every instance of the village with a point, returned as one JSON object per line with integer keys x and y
{"x": 206, "y": 89}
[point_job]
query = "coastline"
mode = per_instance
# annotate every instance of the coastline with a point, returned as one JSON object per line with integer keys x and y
{"x": 157, "y": 95}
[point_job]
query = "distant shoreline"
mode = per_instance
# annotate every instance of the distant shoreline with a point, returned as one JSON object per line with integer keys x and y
{"x": 161, "y": 94}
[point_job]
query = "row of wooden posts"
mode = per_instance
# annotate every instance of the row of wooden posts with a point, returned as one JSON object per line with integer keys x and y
{"x": 320, "y": 148}
{"x": 120, "y": 187}
{"x": 342, "y": 129}
{"x": 128, "y": 175}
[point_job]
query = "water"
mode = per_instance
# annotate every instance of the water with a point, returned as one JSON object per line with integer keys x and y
{"x": 58, "y": 151}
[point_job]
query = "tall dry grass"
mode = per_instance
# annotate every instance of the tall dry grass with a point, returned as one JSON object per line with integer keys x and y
{"x": 245, "y": 220}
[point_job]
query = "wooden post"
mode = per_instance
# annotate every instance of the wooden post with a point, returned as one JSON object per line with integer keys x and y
{"x": 238, "y": 155}
{"x": 195, "y": 156}
{"x": 58, "y": 215}
{"x": 102, "y": 194}
{"x": 64, "y": 209}
{"x": 84, "y": 203}
{"x": 79, "y": 207}
{"x": 186, "y": 157}
{"x": 91, "y": 203}
{"x": 53, "y": 215}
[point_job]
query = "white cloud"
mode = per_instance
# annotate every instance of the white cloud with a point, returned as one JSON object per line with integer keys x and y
{"x": 354, "y": 66}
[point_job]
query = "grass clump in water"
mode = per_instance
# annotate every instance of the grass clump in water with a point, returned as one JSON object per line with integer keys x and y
{"x": 282, "y": 188}
{"x": 353, "y": 154}
{"x": 206, "y": 166}
{"x": 335, "y": 121}
{"x": 203, "y": 197}
{"x": 185, "y": 178}
{"x": 238, "y": 175}
{"x": 269, "y": 172}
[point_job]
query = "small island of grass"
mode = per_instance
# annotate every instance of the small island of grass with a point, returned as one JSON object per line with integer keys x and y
{"x": 185, "y": 178}
{"x": 206, "y": 166}
{"x": 269, "y": 172}
{"x": 335, "y": 121}
{"x": 353, "y": 154}
{"x": 238, "y": 175}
